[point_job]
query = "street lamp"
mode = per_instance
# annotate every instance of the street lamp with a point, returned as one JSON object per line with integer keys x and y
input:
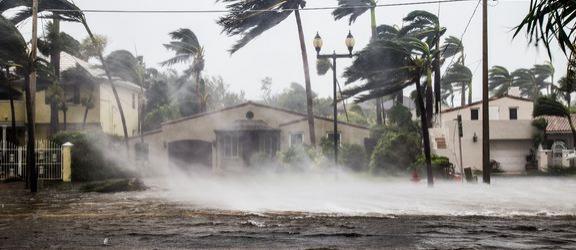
{"x": 350, "y": 42}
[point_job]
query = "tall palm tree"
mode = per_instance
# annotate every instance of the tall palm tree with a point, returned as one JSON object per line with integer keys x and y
{"x": 187, "y": 48}
{"x": 527, "y": 82}
{"x": 52, "y": 44}
{"x": 354, "y": 9}
{"x": 426, "y": 27}
{"x": 548, "y": 105}
{"x": 387, "y": 66}
{"x": 247, "y": 23}
{"x": 544, "y": 72}
{"x": 70, "y": 13}
{"x": 447, "y": 94}
{"x": 500, "y": 80}
{"x": 460, "y": 77}
{"x": 565, "y": 88}
{"x": 549, "y": 20}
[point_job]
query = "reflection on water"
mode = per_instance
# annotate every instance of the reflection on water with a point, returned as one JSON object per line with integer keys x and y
{"x": 296, "y": 212}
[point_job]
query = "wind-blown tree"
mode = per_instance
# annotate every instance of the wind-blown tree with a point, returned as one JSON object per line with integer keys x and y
{"x": 426, "y": 27}
{"x": 550, "y": 20}
{"x": 69, "y": 13}
{"x": 354, "y": 9}
{"x": 566, "y": 87}
{"x": 244, "y": 21}
{"x": 6, "y": 79}
{"x": 500, "y": 80}
{"x": 542, "y": 72}
{"x": 548, "y": 105}
{"x": 527, "y": 82}
{"x": 387, "y": 66}
{"x": 448, "y": 93}
{"x": 89, "y": 49}
{"x": 187, "y": 49}
{"x": 52, "y": 44}
{"x": 79, "y": 76}
{"x": 460, "y": 77}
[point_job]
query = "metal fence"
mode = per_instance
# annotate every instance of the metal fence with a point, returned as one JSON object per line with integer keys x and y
{"x": 48, "y": 160}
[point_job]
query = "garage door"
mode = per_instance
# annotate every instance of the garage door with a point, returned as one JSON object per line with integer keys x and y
{"x": 510, "y": 154}
{"x": 190, "y": 153}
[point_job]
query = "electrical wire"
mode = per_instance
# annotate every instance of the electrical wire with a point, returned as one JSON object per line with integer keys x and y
{"x": 262, "y": 10}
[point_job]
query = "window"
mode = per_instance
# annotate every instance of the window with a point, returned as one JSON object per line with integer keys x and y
{"x": 296, "y": 139}
{"x": 231, "y": 146}
{"x": 72, "y": 94}
{"x": 474, "y": 114}
{"x": 513, "y": 113}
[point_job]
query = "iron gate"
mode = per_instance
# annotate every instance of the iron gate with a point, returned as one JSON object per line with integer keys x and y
{"x": 48, "y": 161}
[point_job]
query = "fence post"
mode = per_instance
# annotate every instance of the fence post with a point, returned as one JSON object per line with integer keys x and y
{"x": 67, "y": 162}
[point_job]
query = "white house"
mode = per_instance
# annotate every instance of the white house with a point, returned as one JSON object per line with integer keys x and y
{"x": 511, "y": 134}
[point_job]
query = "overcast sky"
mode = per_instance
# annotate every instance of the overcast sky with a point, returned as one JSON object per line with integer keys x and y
{"x": 276, "y": 53}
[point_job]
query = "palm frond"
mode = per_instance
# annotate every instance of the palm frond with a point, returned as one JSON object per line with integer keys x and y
{"x": 351, "y": 9}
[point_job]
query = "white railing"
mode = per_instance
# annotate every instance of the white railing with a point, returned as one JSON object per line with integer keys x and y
{"x": 48, "y": 160}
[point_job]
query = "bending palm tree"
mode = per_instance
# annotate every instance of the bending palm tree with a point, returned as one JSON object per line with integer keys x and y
{"x": 543, "y": 72}
{"x": 566, "y": 87}
{"x": 406, "y": 60}
{"x": 353, "y": 9}
{"x": 500, "y": 80}
{"x": 460, "y": 76}
{"x": 527, "y": 82}
{"x": 247, "y": 23}
{"x": 187, "y": 48}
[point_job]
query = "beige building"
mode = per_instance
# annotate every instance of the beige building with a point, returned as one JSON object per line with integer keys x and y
{"x": 511, "y": 134}
{"x": 230, "y": 138}
{"x": 104, "y": 116}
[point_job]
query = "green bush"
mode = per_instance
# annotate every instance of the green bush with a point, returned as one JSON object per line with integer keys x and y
{"x": 441, "y": 166}
{"x": 354, "y": 157}
{"x": 89, "y": 163}
{"x": 395, "y": 152}
{"x": 561, "y": 171}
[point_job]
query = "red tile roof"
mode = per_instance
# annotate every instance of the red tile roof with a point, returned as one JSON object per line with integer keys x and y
{"x": 559, "y": 125}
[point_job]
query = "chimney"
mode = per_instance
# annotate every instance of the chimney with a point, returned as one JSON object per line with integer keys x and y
{"x": 514, "y": 91}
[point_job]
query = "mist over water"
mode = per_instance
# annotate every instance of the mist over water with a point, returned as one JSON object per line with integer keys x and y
{"x": 361, "y": 195}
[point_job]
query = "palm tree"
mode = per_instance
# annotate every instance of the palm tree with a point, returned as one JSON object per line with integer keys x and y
{"x": 401, "y": 63}
{"x": 460, "y": 77}
{"x": 247, "y": 23}
{"x": 426, "y": 27}
{"x": 500, "y": 80}
{"x": 548, "y": 105}
{"x": 566, "y": 88}
{"x": 527, "y": 82}
{"x": 543, "y": 72}
{"x": 52, "y": 45}
{"x": 451, "y": 47}
{"x": 549, "y": 20}
{"x": 187, "y": 48}
{"x": 353, "y": 9}
{"x": 447, "y": 93}
{"x": 70, "y": 13}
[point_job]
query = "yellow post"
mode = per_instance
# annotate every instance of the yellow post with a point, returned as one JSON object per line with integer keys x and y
{"x": 67, "y": 162}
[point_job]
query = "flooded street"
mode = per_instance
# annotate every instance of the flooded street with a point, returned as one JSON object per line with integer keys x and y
{"x": 70, "y": 219}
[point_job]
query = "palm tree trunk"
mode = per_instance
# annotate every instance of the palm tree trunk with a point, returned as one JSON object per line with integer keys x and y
{"x": 425, "y": 132}
{"x": 463, "y": 95}
{"x": 55, "y": 62}
{"x": 114, "y": 91}
{"x": 469, "y": 93}
{"x": 30, "y": 90}
{"x": 378, "y": 101}
{"x": 573, "y": 130}
{"x": 437, "y": 76}
{"x": 309, "y": 101}
{"x": 12, "y": 110}
{"x": 85, "y": 117}
{"x": 429, "y": 98}
{"x": 65, "y": 113}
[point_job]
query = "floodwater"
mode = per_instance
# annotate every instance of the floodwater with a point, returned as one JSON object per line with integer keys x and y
{"x": 513, "y": 213}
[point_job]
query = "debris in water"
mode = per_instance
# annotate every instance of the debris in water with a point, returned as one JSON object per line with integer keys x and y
{"x": 106, "y": 242}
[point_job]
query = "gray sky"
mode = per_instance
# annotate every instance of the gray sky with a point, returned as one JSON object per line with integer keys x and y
{"x": 276, "y": 53}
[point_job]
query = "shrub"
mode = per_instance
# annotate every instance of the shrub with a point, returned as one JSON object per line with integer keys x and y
{"x": 395, "y": 152}
{"x": 441, "y": 166}
{"x": 354, "y": 157}
{"x": 89, "y": 163}
{"x": 561, "y": 171}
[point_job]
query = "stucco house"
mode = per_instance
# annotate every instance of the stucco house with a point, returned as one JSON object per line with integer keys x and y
{"x": 511, "y": 133}
{"x": 229, "y": 139}
{"x": 104, "y": 116}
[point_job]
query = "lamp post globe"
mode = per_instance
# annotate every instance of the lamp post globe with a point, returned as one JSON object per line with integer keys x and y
{"x": 318, "y": 43}
{"x": 350, "y": 42}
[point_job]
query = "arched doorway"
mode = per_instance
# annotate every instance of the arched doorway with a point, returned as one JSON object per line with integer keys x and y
{"x": 190, "y": 153}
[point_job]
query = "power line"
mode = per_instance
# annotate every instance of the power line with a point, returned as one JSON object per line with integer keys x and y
{"x": 263, "y": 10}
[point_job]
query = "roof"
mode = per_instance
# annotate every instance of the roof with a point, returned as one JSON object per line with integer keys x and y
{"x": 494, "y": 98}
{"x": 248, "y": 125}
{"x": 559, "y": 125}
{"x": 304, "y": 116}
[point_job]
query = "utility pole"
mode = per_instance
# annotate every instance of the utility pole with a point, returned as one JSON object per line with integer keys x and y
{"x": 31, "y": 96}
{"x": 460, "y": 135}
{"x": 486, "y": 168}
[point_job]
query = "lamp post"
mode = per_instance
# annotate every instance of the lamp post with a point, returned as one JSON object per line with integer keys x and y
{"x": 350, "y": 42}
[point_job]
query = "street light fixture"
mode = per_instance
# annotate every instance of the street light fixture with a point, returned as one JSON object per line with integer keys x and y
{"x": 350, "y": 42}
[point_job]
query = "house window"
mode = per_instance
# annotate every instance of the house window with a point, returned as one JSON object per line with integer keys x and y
{"x": 72, "y": 94}
{"x": 513, "y": 113}
{"x": 231, "y": 146}
{"x": 474, "y": 114}
{"x": 296, "y": 139}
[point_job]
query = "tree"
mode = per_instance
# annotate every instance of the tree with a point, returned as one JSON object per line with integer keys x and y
{"x": 566, "y": 87}
{"x": 354, "y": 9}
{"x": 54, "y": 43}
{"x": 79, "y": 76}
{"x": 245, "y": 22}
{"x": 549, "y": 20}
{"x": 527, "y": 82}
{"x": 406, "y": 60}
{"x": 548, "y": 105}
{"x": 220, "y": 95}
{"x": 543, "y": 72}
{"x": 89, "y": 48}
{"x": 187, "y": 48}
{"x": 460, "y": 76}
{"x": 500, "y": 80}
{"x": 426, "y": 27}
